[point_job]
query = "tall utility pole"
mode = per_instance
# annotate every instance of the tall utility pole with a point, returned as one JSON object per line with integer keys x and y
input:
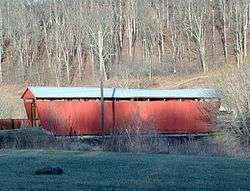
{"x": 102, "y": 103}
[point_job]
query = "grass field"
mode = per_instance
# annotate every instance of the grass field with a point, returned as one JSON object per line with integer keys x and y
{"x": 115, "y": 171}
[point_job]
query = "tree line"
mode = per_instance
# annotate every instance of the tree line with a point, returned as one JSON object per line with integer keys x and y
{"x": 64, "y": 42}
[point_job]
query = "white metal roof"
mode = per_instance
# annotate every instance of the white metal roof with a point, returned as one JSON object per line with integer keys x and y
{"x": 119, "y": 93}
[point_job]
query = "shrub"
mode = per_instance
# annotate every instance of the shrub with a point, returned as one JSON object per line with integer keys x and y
{"x": 133, "y": 136}
{"x": 235, "y": 85}
{"x": 36, "y": 138}
{"x": 138, "y": 136}
{"x": 5, "y": 108}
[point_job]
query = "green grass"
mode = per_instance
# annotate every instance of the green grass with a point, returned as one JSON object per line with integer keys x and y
{"x": 115, "y": 171}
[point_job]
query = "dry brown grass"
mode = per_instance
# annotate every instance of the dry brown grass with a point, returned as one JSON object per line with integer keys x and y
{"x": 140, "y": 137}
{"x": 197, "y": 80}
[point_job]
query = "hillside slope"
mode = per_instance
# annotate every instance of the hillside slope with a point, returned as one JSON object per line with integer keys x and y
{"x": 11, "y": 94}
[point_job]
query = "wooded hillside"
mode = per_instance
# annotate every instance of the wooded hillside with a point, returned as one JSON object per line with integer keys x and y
{"x": 67, "y": 42}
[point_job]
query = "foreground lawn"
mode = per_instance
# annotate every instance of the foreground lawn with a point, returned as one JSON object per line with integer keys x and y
{"x": 114, "y": 171}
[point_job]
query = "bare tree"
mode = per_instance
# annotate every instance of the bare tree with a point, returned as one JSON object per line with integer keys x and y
{"x": 65, "y": 42}
{"x": 131, "y": 24}
{"x": 197, "y": 30}
{"x": 241, "y": 25}
{"x": 160, "y": 25}
{"x": 223, "y": 13}
{"x": 99, "y": 26}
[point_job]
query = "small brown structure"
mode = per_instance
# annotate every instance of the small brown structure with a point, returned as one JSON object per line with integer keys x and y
{"x": 6, "y": 124}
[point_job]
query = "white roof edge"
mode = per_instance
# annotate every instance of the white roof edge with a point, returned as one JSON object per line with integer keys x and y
{"x": 116, "y": 93}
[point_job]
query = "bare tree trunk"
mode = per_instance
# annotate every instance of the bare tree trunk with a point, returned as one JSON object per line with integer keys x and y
{"x": 80, "y": 60}
{"x": 66, "y": 61}
{"x": 167, "y": 12}
{"x": 245, "y": 27}
{"x": 241, "y": 24}
{"x": 202, "y": 56}
{"x": 100, "y": 54}
{"x": 147, "y": 57}
{"x": 92, "y": 62}
{"x": 47, "y": 45}
{"x": 197, "y": 29}
{"x": 213, "y": 38}
{"x": 120, "y": 24}
{"x": 1, "y": 46}
{"x": 131, "y": 24}
{"x": 130, "y": 37}
{"x": 174, "y": 43}
{"x": 223, "y": 13}
{"x": 160, "y": 31}
{"x": 174, "y": 50}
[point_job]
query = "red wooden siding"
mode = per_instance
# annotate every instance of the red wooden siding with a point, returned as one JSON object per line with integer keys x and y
{"x": 6, "y": 124}
{"x": 27, "y": 106}
{"x": 83, "y": 117}
{"x": 27, "y": 94}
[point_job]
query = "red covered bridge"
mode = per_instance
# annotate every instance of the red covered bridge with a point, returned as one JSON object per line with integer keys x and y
{"x": 76, "y": 110}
